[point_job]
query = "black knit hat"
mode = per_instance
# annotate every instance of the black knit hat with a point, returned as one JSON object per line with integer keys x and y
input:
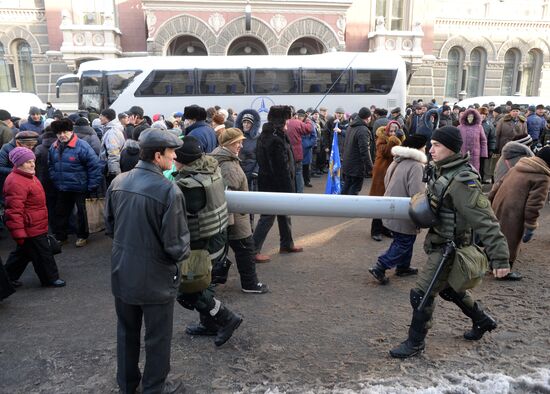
{"x": 61, "y": 125}
{"x": 279, "y": 114}
{"x": 449, "y": 136}
{"x": 364, "y": 113}
{"x": 544, "y": 154}
{"x": 415, "y": 141}
{"x": 190, "y": 151}
{"x": 4, "y": 115}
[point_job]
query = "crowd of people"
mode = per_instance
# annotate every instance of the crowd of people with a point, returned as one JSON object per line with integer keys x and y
{"x": 174, "y": 170}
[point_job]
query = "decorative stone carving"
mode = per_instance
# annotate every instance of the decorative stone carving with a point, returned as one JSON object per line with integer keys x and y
{"x": 216, "y": 21}
{"x": 22, "y": 16}
{"x": 78, "y": 39}
{"x": 151, "y": 22}
{"x": 278, "y": 22}
{"x": 341, "y": 25}
{"x": 98, "y": 39}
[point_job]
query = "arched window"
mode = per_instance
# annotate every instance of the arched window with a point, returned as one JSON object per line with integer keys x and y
{"x": 186, "y": 46}
{"x": 25, "y": 68}
{"x": 531, "y": 73}
{"x": 510, "y": 74}
{"x": 306, "y": 46}
{"x": 247, "y": 46}
{"x": 4, "y": 72}
{"x": 454, "y": 72}
{"x": 476, "y": 72}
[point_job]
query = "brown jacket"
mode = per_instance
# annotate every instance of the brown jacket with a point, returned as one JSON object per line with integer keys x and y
{"x": 383, "y": 159}
{"x": 518, "y": 198}
{"x": 507, "y": 129}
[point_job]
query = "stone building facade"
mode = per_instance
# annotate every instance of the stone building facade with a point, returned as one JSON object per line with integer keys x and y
{"x": 452, "y": 49}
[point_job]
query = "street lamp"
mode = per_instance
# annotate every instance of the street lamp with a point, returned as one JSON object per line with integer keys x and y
{"x": 248, "y": 16}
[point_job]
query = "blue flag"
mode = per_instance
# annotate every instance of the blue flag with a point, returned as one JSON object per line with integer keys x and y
{"x": 333, "y": 179}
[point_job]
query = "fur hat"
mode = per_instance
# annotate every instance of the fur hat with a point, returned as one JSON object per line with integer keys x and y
{"x": 194, "y": 112}
{"x": 190, "y": 151}
{"x": 61, "y": 125}
{"x": 21, "y": 155}
{"x": 449, "y": 136}
{"x": 230, "y": 135}
{"x": 544, "y": 154}
{"x": 415, "y": 141}
{"x": 279, "y": 114}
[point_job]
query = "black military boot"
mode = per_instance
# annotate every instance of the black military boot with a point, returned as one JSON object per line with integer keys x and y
{"x": 483, "y": 322}
{"x": 379, "y": 273}
{"x": 220, "y": 270}
{"x": 207, "y": 326}
{"x": 227, "y": 322}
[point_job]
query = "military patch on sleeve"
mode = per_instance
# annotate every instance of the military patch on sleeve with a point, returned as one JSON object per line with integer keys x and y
{"x": 482, "y": 201}
{"x": 471, "y": 183}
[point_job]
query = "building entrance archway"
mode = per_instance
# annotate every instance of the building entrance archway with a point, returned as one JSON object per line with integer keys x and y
{"x": 247, "y": 46}
{"x": 306, "y": 46}
{"x": 186, "y": 45}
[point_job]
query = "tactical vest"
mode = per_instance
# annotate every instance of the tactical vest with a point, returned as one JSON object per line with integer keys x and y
{"x": 213, "y": 218}
{"x": 451, "y": 226}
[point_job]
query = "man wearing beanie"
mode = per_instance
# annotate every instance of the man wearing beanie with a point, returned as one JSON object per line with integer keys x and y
{"x": 34, "y": 121}
{"x": 454, "y": 196}
{"x": 518, "y": 198}
{"x": 511, "y": 153}
{"x": 357, "y": 153}
{"x": 200, "y": 180}
{"x": 6, "y": 133}
{"x": 26, "y": 218}
{"x": 145, "y": 216}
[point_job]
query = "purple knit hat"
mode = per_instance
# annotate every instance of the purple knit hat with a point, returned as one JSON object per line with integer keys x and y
{"x": 20, "y": 155}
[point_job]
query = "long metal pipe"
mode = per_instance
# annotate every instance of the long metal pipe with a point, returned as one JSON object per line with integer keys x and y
{"x": 299, "y": 204}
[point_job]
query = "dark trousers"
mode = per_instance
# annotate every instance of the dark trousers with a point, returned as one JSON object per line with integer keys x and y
{"x": 158, "y": 338}
{"x": 305, "y": 174}
{"x": 6, "y": 288}
{"x": 35, "y": 250}
{"x": 245, "y": 251}
{"x": 352, "y": 185}
{"x": 377, "y": 228}
{"x": 63, "y": 209}
{"x": 399, "y": 254}
{"x": 264, "y": 225}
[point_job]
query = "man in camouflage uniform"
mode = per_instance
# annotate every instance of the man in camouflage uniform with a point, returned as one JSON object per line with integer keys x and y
{"x": 455, "y": 186}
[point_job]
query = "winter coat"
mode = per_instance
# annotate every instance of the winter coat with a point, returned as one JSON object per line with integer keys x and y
{"x": 535, "y": 126}
{"x": 74, "y": 167}
{"x": 489, "y": 130}
{"x": 308, "y": 142}
{"x": 88, "y": 134}
{"x": 145, "y": 216}
{"x": 31, "y": 125}
{"x": 404, "y": 179}
{"x": 510, "y": 155}
{"x": 247, "y": 155}
{"x": 205, "y": 134}
{"x": 357, "y": 150}
{"x": 235, "y": 179}
{"x": 276, "y": 171}
{"x": 136, "y": 130}
{"x": 111, "y": 146}
{"x": 296, "y": 130}
{"x": 518, "y": 198}
{"x": 412, "y": 123}
{"x": 474, "y": 140}
{"x": 508, "y": 128}
{"x": 42, "y": 153}
{"x": 5, "y": 163}
{"x": 129, "y": 156}
{"x": 329, "y": 132}
{"x": 384, "y": 158}
{"x": 6, "y": 133}
{"x": 446, "y": 120}
{"x": 426, "y": 126}
{"x": 26, "y": 214}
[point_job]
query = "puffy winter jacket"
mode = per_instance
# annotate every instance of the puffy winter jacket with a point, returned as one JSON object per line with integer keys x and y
{"x": 205, "y": 134}
{"x": 74, "y": 167}
{"x": 31, "y": 125}
{"x": 247, "y": 155}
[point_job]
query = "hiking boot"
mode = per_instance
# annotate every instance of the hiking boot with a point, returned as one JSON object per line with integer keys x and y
{"x": 379, "y": 274}
{"x": 258, "y": 288}
{"x": 262, "y": 258}
{"x": 206, "y": 327}
{"x": 407, "y": 349}
{"x": 227, "y": 322}
{"x": 80, "y": 242}
{"x": 483, "y": 322}
{"x": 407, "y": 271}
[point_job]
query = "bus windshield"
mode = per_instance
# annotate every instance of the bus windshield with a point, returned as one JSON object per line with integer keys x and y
{"x": 91, "y": 89}
{"x": 117, "y": 81}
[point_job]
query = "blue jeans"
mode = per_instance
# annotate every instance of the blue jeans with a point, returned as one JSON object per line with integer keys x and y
{"x": 299, "y": 177}
{"x": 400, "y": 251}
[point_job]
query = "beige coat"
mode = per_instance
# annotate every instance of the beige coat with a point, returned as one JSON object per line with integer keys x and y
{"x": 518, "y": 198}
{"x": 404, "y": 179}
{"x": 235, "y": 179}
{"x": 507, "y": 129}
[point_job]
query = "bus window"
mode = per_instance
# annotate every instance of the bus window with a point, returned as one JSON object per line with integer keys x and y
{"x": 373, "y": 81}
{"x": 117, "y": 81}
{"x": 168, "y": 83}
{"x": 274, "y": 81}
{"x": 91, "y": 90}
{"x": 222, "y": 82}
{"x": 320, "y": 81}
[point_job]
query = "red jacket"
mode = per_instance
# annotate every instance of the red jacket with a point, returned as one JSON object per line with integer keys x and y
{"x": 295, "y": 130}
{"x": 26, "y": 214}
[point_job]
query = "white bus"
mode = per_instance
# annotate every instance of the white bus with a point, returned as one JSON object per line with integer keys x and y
{"x": 167, "y": 84}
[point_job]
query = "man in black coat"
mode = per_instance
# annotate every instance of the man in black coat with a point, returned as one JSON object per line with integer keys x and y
{"x": 357, "y": 157}
{"x": 275, "y": 174}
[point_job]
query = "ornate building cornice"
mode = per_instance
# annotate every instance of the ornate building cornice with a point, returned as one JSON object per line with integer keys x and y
{"x": 14, "y": 16}
{"x": 492, "y": 25}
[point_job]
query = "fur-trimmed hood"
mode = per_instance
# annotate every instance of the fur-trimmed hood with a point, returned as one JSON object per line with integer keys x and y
{"x": 508, "y": 118}
{"x": 464, "y": 116}
{"x": 254, "y": 131}
{"x": 401, "y": 153}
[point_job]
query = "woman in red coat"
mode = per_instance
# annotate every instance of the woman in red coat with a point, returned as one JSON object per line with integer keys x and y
{"x": 26, "y": 218}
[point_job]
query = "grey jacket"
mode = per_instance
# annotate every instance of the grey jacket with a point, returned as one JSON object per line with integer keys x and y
{"x": 404, "y": 179}
{"x": 145, "y": 216}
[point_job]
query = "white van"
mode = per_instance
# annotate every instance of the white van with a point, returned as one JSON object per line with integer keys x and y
{"x": 523, "y": 101}
{"x": 18, "y": 104}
